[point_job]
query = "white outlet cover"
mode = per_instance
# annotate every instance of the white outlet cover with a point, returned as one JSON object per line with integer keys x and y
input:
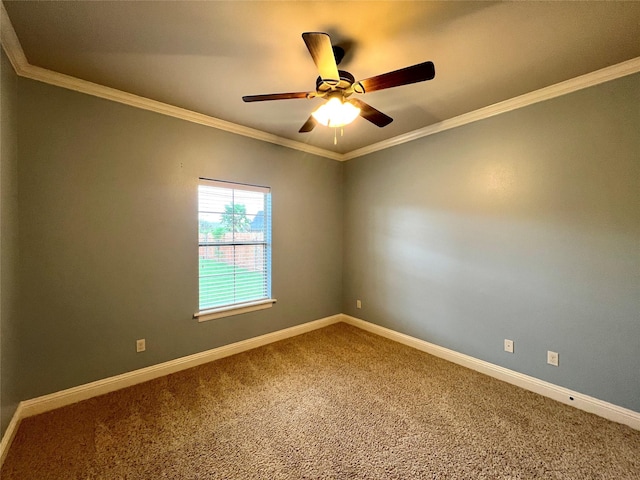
{"x": 508, "y": 345}
{"x": 552, "y": 358}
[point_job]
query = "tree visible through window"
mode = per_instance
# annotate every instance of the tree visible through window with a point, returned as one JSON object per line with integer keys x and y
{"x": 234, "y": 238}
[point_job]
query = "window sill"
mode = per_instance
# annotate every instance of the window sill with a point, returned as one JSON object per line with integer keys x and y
{"x": 230, "y": 310}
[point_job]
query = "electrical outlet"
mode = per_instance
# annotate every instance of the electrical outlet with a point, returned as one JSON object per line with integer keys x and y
{"x": 552, "y": 358}
{"x": 141, "y": 345}
{"x": 358, "y": 304}
{"x": 508, "y": 345}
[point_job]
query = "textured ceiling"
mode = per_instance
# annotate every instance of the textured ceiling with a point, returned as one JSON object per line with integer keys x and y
{"x": 204, "y": 56}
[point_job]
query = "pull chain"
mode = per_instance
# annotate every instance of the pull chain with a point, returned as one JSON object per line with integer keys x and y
{"x": 335, "y": 136}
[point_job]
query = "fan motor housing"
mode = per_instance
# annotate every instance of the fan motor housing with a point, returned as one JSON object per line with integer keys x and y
{"x": 344, "y": 82}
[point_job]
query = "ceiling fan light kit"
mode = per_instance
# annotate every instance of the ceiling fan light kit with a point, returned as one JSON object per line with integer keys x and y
{"x": 336, "y": 113}
{"x": 338, "y": 85}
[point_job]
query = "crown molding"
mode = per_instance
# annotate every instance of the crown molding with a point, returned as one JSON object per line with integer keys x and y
{"x": 23, "y": 68}
{"x": 563, "y": 88}
{"x": 10, "y": 42}
{"x": 108, "y": 93}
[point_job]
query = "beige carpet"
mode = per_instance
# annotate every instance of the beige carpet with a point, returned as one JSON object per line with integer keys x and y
{"x": 337, "y": 403}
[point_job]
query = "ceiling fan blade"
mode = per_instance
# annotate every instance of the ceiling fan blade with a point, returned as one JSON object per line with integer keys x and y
{"x": 369, "y": 113}
{"x": 404, "y": 76}
{"x": 308, "y": 125}
{"x": 319, "y": 46}
{"x": 274, "y": 96}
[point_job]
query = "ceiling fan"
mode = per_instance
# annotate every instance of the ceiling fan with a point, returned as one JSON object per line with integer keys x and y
{"x": 338, "y": 85}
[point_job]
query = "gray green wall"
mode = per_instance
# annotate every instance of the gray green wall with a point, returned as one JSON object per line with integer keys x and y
{"x": 523, "y": 226}
{"x": 108, "y": 236}
{"x": 9, "y": 397}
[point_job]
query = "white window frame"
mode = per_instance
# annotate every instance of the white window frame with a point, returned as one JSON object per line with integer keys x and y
{"x": 253, "y": 305}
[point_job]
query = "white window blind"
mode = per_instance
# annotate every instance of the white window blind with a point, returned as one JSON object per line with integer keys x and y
{"x": 234, "y": 245}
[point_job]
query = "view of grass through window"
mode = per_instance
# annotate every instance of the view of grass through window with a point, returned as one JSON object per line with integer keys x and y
{"x": 233, "y": 233}
{"x": 223, "y": 284}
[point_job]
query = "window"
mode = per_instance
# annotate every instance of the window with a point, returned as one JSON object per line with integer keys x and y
{"x": 234, "y": 248}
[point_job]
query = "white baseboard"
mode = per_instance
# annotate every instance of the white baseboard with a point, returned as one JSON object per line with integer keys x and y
{"x": 10, "y": 433}
{"x": 83, "y": 392}
{"x": 561, "y": 394}
{"x": 73, "y": 395}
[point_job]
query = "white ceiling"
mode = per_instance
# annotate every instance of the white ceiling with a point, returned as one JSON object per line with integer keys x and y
{"x": 205, "y": 55}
